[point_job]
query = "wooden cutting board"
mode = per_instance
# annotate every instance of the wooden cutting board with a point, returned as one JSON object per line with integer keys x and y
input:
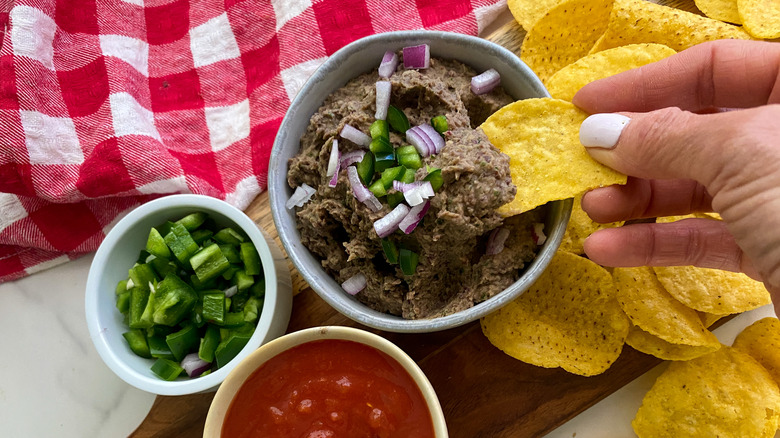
{"x": 483, "y": 392}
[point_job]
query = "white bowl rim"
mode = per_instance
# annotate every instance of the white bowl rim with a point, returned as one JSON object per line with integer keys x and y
{"x": 222, "y": 399}
{"x": 358, "y": 311}
{"x": 186, "y": 386}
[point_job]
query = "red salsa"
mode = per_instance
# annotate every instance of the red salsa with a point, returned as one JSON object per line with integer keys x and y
{"x": 329, "y": 389}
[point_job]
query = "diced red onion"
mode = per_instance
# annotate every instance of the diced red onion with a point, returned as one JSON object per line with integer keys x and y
{"x": 538, "y": 234}
{"x": 404, "y": 187}
{"x": 193, "y": 365}
{"x": 360, "y": 191}
{"x": 334, "y": 180}
{"x": 388, "y": 65}
{"x": 355, "y": 135}
{"x": 301, "y": 196}
{"x": 419, "y": 142}
{"x": 416, "y": 192}
{"x": 351, "y": 158}
{"x": 434, "y": 136}
{"x": 355, "y": 284}
{"x": 413, "y": 218}
{"x": 495, "y": 243}
{"x": 333, "y": 162}
{"x": 386, "y": 225}
{"x": 485, "y": 82}
{"x": 383, "y": 89}
{"x": 232, "y": 290}
{"x": 417, "y": 56}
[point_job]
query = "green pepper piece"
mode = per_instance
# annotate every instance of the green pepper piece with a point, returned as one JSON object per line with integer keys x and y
{"x": 252, "y": 309}
{"x": 243, "y": 280}
{"x": 231, "y": 252}
{"x": 258, "y": 289}
{"x": 158, "y": 347}
{"x": 380, "y": 146}
{"x": 251, "y": 259}
{"x": 229, "y": 235}
{"x": 397, "y": 120}
{"x": 155, "y": 244}
{"x": 391, "y": 174}
{"x": 183, "y": 341}
{"x": 201, "y": 285}
{"x": 165, "y": 228}
{"x": 142, "y": 275}
{"x": 142, "y": 257}
{"x": 390, "y": 250}
{"x": 408, "y": 261}
{"x": 393, "y": 199}
{"x": 121, "y": 287}
{"x": 410, "y": 161}
{"x": 238, "y": 301}
{"x": 173, "y": 300}
{"x": 380, "y": 129}
{"x": 123, "y": 302}
{"x": 230, "y": 271}
{"x": 192, "y": 221}
{"x": 435, "y": 178}
{"x": 196, "y": 316}
{"x": 161, "y": 266}
{"x": 378, "y": 188}
{"x": 440, "y": 124}
{"x": 208, "y": 344}
{"x": 214, "y": 307}
{"x": 166, "y": 369}
{"x": 365, "y": 168}
{"x": 408, "y": 176}
{"x": 384, "y": 161}
{"x": 233, "y": 320}
{"x": 181, "y": 243}
{"x": 201, "y": 235}
{"x": 136, "y": 339}
{"x": 139, "y": 298}
{"x": 209, "y": 263}
{"x": 232, "y": 345}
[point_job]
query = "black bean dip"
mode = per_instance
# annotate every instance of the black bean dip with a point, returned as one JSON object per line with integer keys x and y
{"x": 454, "y": 272}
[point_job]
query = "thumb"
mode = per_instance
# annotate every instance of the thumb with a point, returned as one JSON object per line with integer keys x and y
{"x": 662, "y": 144}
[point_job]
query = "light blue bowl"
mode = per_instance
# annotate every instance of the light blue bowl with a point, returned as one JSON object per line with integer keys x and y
{"x": 354, "y": 59}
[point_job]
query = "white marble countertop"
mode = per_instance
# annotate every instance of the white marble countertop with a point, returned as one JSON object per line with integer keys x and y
{"x": 53, "y": 383}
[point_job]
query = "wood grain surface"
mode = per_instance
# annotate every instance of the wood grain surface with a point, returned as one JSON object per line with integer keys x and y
{"x": 483, "y": 392}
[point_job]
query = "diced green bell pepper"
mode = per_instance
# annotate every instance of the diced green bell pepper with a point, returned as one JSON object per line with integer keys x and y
{"x": 397, "y": 120}
{"x": 435, "y": 178}
{"x": 136, "y": 339}
{"x": 380, "y": 146}
{"x": 142, "y": 275}
{"x": 365, "y": 168}
{"x": 391, "y": 174}
{"x": 123, "y": 302}
{"x": 231, "y": 252}
{"x": 408, "y": 261}
{"x": 172, "y": 301}
{"x": 166, "y": 369}
{"x": 193, "y": 220}
{"x": 409, "y": 157}
{"x": 162, "y": 266}
{"x": 229, "y": 235}
{"x": 378, "y": 188}
{"x": 230, "y": 272}
{"x": 258, "y": 289}
{"x": 214, "y": 307}
{"x": 181, "y": 243}
{"x": 201, "y": 235}
{"x": 208, "y": 344}
{"x": 243, "y": 280}
{"x": 251, "y": 259}
{"x": 182, "y": 341}
{"x": 383, "y": 161}
{"x": 121, "y": 287}
{"x": 158, "y": 347}
{"x": 209, "y": 263}
{"x": 229, "y": 347}
{"x": 233, "y": 319}
{"x": 440, "y": 124}
{"x": 380, "y": 129}
{"x": 139, "y": 299}
{"x": 390, "y": 250}
{"x": 252, "y": 309}
{"x": 155, "y": 244}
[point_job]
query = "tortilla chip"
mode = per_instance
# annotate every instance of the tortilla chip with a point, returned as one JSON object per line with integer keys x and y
{"x": 708, "y": 319}
{"x": 713, "y": 290}
{"x": 721, "y": 394}
{"x": 565, "y": 83}
{"x": 580, "y": 227}
{"x": 528, "y": 12}
{"x": 546, "y": 159}
{"x": 569, "y": 318}
{"x": 721, "y": 10}
{"x": 646, "y": 343}
{"x": 760, "y": 18}
{"x": 762, "y": 341}
{"x": 564, "y": 34}
{"x": 639, "y": 21}
{"x": 650, "y": 307}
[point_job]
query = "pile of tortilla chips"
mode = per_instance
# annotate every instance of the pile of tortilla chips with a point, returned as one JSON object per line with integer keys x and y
{"x": 579, "y": 315}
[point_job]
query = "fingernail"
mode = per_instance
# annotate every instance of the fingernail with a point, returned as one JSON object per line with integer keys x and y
{"x": 602, "y": 130}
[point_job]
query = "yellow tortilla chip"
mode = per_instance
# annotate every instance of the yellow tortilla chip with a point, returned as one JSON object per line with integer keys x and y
{"x": 640, "y": 21}
{"x": 708, "y": 319}
{"x": 546, "y": 159}
{"x": 650, "y": 307}
{"x": 569, "y": 318}
{"x": 580, "y": 227}
{"x": 760, "y": 18}
{"x": 761, "y": 340}
{"x": 721, "y": 10}
{"x": 713, "y": 290}
{"x": 565, "y": 83}
{"x": 564, "y": 34}
{"x": 721, "y": 394}
{"x": 646, "y": 343}
{"x": 528, "y": 12}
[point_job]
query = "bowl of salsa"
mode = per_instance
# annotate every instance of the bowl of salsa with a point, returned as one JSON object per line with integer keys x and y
{"x": 326, "y": 382}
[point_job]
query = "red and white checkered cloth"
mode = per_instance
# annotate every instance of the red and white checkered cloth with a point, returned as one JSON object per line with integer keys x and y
{"x": 105, "y": 104}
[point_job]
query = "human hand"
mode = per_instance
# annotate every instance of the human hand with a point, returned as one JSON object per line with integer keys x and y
{"x": 681, "y": 160}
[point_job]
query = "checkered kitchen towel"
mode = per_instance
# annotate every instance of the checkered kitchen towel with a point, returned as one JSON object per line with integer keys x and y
{"x": 105, "y": 104}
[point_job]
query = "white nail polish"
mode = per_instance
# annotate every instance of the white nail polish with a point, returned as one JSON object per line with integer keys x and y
{"x": 602, "y": 130}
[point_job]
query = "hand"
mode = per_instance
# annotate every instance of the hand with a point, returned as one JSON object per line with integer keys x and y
{"x": 681, "y": 160}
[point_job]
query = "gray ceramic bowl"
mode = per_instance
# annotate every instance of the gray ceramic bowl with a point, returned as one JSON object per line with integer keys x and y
{"x": 354, "y": 59}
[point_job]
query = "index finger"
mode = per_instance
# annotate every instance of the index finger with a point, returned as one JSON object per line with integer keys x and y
{"x": 725, "y": 73}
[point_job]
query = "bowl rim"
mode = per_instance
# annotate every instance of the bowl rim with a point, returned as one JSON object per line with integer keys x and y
{"x": 235, "y": 380}
{"x": 272, "y": 304}
{"x": 358, "y": 311}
